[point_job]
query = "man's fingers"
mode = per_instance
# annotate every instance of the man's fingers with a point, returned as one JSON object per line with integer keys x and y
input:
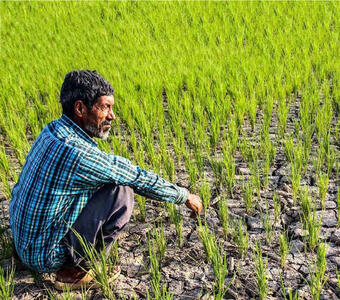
{"x": 194, "y": 203}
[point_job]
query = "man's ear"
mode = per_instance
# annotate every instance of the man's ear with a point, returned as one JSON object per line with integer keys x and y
{"x": 79, "y": 108}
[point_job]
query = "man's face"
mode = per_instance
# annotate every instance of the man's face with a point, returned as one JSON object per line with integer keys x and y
{"x": 98, "y": 120}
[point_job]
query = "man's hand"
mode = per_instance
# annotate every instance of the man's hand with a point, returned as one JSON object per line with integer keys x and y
{"x": 194, "y": 202}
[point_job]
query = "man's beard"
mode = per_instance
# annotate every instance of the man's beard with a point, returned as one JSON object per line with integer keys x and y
{"x": 98, "y": 132}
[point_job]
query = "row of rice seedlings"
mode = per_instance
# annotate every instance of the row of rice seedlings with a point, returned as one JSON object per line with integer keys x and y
{"x": 261, "y": 272}
{"x": 159, "y": 291}
{"x": 317, "y": 272}
{"x": 176, "y": 219}
{"x": 7, "y": 283}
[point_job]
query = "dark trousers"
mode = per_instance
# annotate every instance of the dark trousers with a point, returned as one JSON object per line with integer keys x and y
{"x": 102, "y": 219}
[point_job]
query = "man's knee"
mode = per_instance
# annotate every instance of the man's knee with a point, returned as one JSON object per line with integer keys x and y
{"x": 126, "y": 194}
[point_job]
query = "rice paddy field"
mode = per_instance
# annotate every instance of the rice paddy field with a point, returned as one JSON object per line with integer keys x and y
{"x": 236, "y": 101}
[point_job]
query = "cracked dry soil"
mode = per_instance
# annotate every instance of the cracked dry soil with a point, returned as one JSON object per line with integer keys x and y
{"x": 185, "y": 270}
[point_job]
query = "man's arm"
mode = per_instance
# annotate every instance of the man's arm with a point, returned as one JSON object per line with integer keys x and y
{"x": 97, "y": 168}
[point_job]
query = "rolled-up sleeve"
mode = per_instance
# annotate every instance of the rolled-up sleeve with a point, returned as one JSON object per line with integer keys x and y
{"x": 96, "y": 168}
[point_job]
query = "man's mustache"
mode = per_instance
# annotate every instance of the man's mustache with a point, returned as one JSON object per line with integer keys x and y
{"x": 105, "y": 123}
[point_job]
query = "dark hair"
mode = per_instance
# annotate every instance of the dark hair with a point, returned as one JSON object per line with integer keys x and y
{"x": 84, "y": 85}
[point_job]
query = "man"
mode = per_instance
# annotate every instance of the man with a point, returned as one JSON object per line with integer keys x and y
{"x": 67, "y": 184}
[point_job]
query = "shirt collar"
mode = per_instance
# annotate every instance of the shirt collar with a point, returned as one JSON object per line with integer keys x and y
{"x": 80, "y": 132}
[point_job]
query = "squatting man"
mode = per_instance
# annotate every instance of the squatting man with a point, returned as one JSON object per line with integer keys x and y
{"x": 68, "y": 185}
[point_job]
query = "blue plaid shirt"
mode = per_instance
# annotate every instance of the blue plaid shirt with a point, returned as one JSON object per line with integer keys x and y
{"x": 63, "y": 169}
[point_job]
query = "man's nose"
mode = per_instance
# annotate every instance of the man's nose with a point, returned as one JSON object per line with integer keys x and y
{"x": 111, "y": 115}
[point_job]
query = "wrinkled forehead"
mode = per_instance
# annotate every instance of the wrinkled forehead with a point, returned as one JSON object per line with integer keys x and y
{"x": 106, "y": 100}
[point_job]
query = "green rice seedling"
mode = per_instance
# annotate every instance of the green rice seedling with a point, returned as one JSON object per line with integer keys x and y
{"x": 6, "y": 188}
{"x": 214, "y": 255}
{"x": 208, "y": 240}
{"x": 313, "y": 228}
{"x": 67, "y": 294}
{"x": 240, "y": 236}
{"x": 193, "y": 172}
{"x": 309, "y": 220}
{"x": 277, "y": 206}
{"x": 318, "y": 162}
{"x": 291, "y": 295}
{"x": 224, "y": 215}
{"x": 296, "y": 128}
{"x": 7, "y": 283}
{"x": 284, "y": 248}
{"x": 265, "y": 172}
{"x": 214, "y": 131}
{"x": 252, "y": 107}
{"x": 160, "y": 239}
{"x": 169, "y": 166}
{"x": 199, "y": 159}
{"x": 323, "y": 180}
{"x": 229, "y": 163}
{"x": 338, "y": 278}
{"x": 159, "y": 291}
{"x": 306, "y": 143}
{"x": 305, "y": 202}
{"x": 317, "y": 272}
{"x": 283, "y": 109}
{"x": 154, "y": 270}
{"x": 243, "y": 147}
{"x": 221, "y": 291}
{"x": 289, "y": 149}
{"x": 330, "y": 158}
{"x": 217, "y": 167}
{"x": 261, "y": 272}
{"x": 177, "y": 220}
{"x": 205, "y": 195}
{"x": 268, "y": 224}
{"x": 268, "y": 110}
{"x": 142, "y": 207}
{"x": 4, "y": 161}
{"x": 99, "y": 264}
{"x": 248, "y": 196}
